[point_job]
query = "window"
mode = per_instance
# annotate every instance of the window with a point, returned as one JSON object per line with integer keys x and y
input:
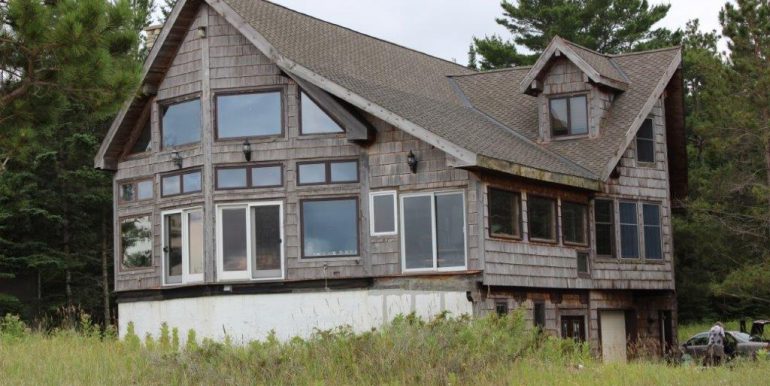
{"x": 250, "y": 241}
{"x": 143, "y": 142}
{"x": 582, "y": 264}
{"x": 182, "y": 183}
{"x": 501, "y": 308}
{"x": 182, "y": 246}
{"x": 569, "y": 115}
{"x": 382, "y": 213}
{"x": 645, "y": 142}
{"x": 327, "y": 172}
{"x": 539, "y": 315}
{"x": 136, "y": 191}
{"x": 249, "y": 115}
{"x": 504, "y": 214}
{"x": 240, "y": 177}
{"x": 329, "y": 227}
{"x": 433, "y": 231}
{"x": 573, "y": 327}
{"x": 314, "y": 120}
{"x": 181, "y": 123}
{"x": 136, "y": 242}
{"x": 574, "y": 220}
{"x": 604, "y": 226}
{"x": 541, "y": 216}
{"x": 652, "y": 242}
{"x": 629, "y": 231}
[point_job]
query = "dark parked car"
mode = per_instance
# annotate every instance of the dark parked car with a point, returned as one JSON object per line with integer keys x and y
{"x": 736, "y": 343}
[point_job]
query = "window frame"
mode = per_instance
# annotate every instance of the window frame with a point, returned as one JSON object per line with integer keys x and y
{"x": 123, "y": 268}
{"x": 249, "y": 180}
{"x": 328, "y": 172}
{"x": 187, "y": 277}
{"x": 181, "y": 175}
{"x": 613, "y": 235}
{"x": 372, "y": 196}
{"x": 586, "y": 224}
{"x": 302, "y": 201}
{"x": 135, "y": 183}
{"x": 568, "y": 98}
{"x": 519, "y": 220}
{"x": 643, "y": 228}
{"x": 587, "y": 273}
{"x": 299, "y": 117}
{"x": 649, "y": 140}
{"x": 434, "y": 240}
{"x": 281, "y": 90}
{"x": 247, "y": 275}
{"x": 554, "y": 220}
{"x": 164, "y": 104}
{"x": 639, "y": 239}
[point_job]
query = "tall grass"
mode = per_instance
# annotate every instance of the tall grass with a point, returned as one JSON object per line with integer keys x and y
{"x": 443, "y": 351}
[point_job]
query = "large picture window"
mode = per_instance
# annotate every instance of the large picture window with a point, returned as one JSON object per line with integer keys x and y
{"x": 574, "y": 221}
{"x": 329, "y": 227}
{"x": 314, "y": 119}
{"x": 629, "y": 231}
{"x": 541, "y": 218}
{"x": 249, "y": 115}
{"x": 569, "y": 115}
{"x": 433, "y": 231}
{"x": 604, "y": 227}
{"x": 181, "y": 123}
{"x": 182, "y": 246}
{"x": 250, "y": 241}
{"x": 504, "y": 214}
{"x": 136, "y": 242}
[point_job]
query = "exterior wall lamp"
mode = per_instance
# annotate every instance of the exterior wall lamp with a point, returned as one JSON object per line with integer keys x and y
{"x": 247, "y": 150}
{"x": 411, "y": 160}
{"x": 177, "y": 159}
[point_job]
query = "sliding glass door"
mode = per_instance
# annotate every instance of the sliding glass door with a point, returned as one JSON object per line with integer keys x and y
{"x": 182, "y": 246}
{"x": 250, "y": 241}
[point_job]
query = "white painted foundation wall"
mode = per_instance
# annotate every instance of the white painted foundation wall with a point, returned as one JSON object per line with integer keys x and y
{"x": 245, "y": 318}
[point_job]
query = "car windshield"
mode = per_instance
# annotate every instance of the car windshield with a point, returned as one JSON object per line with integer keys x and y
{"x": 741, "y": 336}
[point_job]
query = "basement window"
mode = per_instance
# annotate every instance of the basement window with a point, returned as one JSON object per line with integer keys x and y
{"x": 569, "y": 115}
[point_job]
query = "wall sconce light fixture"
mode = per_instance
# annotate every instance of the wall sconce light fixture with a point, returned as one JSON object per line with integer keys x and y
{"x": 411, "y": 160}
{"x": 247, "y": 150}
{"x": 177, "y": 159}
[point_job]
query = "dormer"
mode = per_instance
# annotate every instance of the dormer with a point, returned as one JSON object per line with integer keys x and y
{"x": 575, "y": 88}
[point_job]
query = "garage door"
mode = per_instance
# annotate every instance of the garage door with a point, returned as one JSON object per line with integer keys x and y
{"x": 613, "y": 335}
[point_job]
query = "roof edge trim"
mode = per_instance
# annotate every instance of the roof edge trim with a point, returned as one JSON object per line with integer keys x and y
{"x": 643, "y": 113}
{"x": 467, "y": 157}
{"x": 538, "y": 174}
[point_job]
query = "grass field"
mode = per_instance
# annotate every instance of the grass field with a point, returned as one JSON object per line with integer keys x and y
{"x": 495, "y": 351}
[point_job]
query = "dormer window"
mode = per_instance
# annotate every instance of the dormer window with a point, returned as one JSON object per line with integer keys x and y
{"x": 569, "y": 115}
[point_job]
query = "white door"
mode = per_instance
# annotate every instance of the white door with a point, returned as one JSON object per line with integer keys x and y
{"x": 613, "y": 335}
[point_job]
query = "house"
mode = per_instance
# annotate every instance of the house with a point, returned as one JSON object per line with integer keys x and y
{"x": 276, "y": 172}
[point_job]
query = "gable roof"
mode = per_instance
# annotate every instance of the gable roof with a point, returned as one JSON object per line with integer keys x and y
{"x": 599, "y": 68}
{"x": 425, "y": 96}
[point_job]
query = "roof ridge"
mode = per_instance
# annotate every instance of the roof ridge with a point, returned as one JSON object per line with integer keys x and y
{"x": 670, "y": 48}
{"x": 585, "y": 48}
{"x": 367, "y": 35}
{"x": 492, "y": 71}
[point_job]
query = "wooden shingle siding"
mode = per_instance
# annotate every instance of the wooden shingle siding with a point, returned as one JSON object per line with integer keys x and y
{"x": 235, "y": 64}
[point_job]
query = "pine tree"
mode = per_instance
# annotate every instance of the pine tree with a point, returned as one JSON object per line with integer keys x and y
{"x": 608, "y": 26}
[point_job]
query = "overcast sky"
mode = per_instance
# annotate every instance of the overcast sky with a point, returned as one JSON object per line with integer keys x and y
{"x": 444, "y": 28}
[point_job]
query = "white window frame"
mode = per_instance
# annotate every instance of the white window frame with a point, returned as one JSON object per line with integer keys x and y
{"x": 372, "y": 195}
{"x": 223, "y": 275}
{"x": 435, "y": 267}
{"x": 187, "y": 277}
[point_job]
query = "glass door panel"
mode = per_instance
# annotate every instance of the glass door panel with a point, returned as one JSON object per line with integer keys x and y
{"x": 266, "y": 241}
